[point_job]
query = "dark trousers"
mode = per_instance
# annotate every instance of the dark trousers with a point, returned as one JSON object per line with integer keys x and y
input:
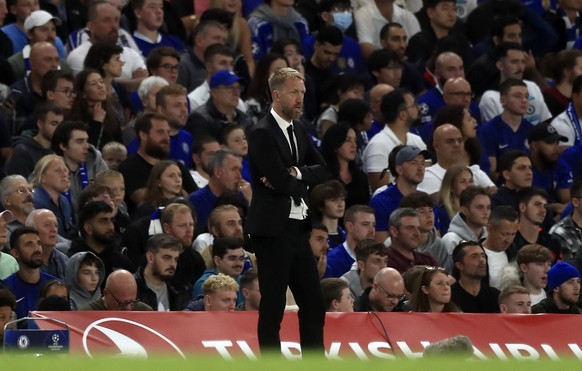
{"x": 287, "y": 260}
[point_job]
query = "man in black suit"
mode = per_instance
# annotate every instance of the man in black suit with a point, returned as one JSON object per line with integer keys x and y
{"x": 284, "y": 163}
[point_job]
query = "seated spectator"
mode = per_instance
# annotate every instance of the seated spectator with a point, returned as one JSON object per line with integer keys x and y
{"x": 434, "y": 292}
{"x": 99, "y": 192}
{"x": 50, "y": 181}
{"x": 371, "y": 257}
{"x": 328, "y": 207}
{"x": 113, "y": 180}
{"x": 145, "y": 101}
{"x": 55, "y": 288}
{"x": 358, "y": 115}
{"x": 8, "y": 264}
{"x": 163, "y": 62}
{"x": 563, "y": 289}
{"x": 233, "y": 137}
{"x": 386, "y": 67}
{"x": 533, "y": 263}
{"x": 567, "y": 123}
{"x": 345, "y": 86}
{"x": 515, "y": 300}
{"x": 249, "y": 289}
{"x": 220, "y": 294}
{"x": 564, "y": 17}
{"x": 85, "y": 274}
{"x": 202, "y": 150}
{"x": 150, "y": 19}
{"x": 319, "y": 246}
{"x": 564, "y": 68}
{"x": 7, "y": 307}
{"x": 456, "y": 180}
{"x": 386, "y": 293}
{"x": 469, "y": 293}
{"x": 515, "y": 174}
{"x": 567, "y": 230}
{"x": 114, "y": 153}
{"x": 336, "y": 295}
{"x": 17, "y": 199}
{"x": 119, "y": 294}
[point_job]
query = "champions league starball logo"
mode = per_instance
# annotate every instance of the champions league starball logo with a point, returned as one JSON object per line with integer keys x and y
{"x": 114, "y": 331}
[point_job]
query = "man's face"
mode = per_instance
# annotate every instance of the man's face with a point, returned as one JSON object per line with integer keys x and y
{"x": 5, "y": 317}
{"x": 512, "y": 65}
{"x": 229, "y": 225}
{"x": 386, "y": 295}
{"x": 224, "y": 95}
{"x": 458, "y": 92}
{"x": 252, "y": 296}
{"x": 175, "y": 108}
{"x": 408, "y": 234}
{"x": 46, "y": 32}
{"x": 516, "y": 100}
{"x": 325, "y": 54}
{"x": 157, "y": 141}
{"x": 220, "y": 62}
{"x": 63, "y": 95}
{"x": 517, "y": 304}
{"x": 168, "y": 69}
{"x": 28, "y": 252}
{"x": 101, "y": 228}
{"x": 19, "y": 200}
{"x": 346, "y": 302}
{"x": 569, "y": 291}
{"x": 318, "y": 242}
{"x": 535, "y": 210}
{"x": 390, "y": 74}
{"x": 412, "y": 171}
{"x": 520, "y": 175}
{"x": 164, "y": 263}
{"x": 576, "y": 70}
{"x": 22, "y": 9}
{"x": 478, "y": 212}
{"x": 151, "y": 15}
{"x": 443, "y": 15}
{"x": 48, "y": 229}
{"x": 208, "y": 150}
{"x": 105, "y": 27}
{"x": 474, "y": 264}
{"x": 536, "y": 273}
{"x": 181, "y": 227}
{"x": 77, "y": 148}
{"x": 232, "y": 263}
{"x": 512, "y": 34}
{"x": 450, "y": 67}
{"x": 229, "y": 175}
{"x": 334, "y": 207}
{"x": 214, "y": 35}
{"x": 411, "y": 109}
{"x": 121, "y": 298}
{"x": 44, "y": 59}
{"x": 425, "y": 218}
{"x": 47, "y": 127}
{"x": 502, "y": 234}
{"x": 547, "y": 152}
{"x": 88, "y": 277}
{"x": 289, "y": 99}
{"x": 449, "y": 145}
{"x": 221, "y": 300}
{"x": 397, "y": 41}
{"x": 363, "y": 227}
{"x": 369, "y": 268}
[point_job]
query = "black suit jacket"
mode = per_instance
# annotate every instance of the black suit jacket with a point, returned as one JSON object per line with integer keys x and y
{"x": 270, "y": 156}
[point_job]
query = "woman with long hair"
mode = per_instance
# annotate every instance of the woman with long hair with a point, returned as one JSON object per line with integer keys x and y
{"x": 339, "y": 151}
{"x": 94, "y": 107}
{"x": 233, "y": 137}
{"x": 456, "y": 179}
{"x": 434, "y": 292}
{"x": 164, "y": 183}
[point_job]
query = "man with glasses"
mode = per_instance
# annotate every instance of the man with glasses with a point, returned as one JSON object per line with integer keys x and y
{"x": 400, "y": 111}
{"x": 385, "y": 295}
{"x": 469, "y": 293}
{"x": 164, "y": 62}
{"x": 120, "y": 294}
{"x": 16, "y": 197}
{"x": 220, "y": 109}
{"x": 228, "y": 256}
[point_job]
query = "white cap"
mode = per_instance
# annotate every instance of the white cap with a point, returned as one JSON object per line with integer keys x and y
{"x": 39, "y": 18}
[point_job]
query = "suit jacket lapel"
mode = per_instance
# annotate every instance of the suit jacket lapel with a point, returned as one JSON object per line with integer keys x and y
{"x": 281, "y": 139}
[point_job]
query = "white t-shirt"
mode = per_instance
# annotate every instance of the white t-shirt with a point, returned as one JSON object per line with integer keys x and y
{"x": 433, "y": 178}
{"x": 133, "y": 60}
{"x": 379, "y": 148}
{"x": 536, "y": 298}
{"x": 369, "y": 22}
{"x": 564, "y": 127}
{"x": 496, "y": 261}
{"x": 537, "y": 111}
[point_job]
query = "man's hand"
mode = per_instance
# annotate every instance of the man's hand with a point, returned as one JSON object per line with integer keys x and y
{"x": 322, "y": 265}
{"x": 293, "y": 172}
{"x": 244, "y": 187}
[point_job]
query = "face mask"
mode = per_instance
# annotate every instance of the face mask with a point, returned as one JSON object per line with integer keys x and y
{"x": 342, "y": 20}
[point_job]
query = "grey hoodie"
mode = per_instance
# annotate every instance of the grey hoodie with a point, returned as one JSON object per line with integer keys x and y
{"x": 459, "y": 230}
{"x": 79, "y": 296}
{"x": 435, "y": 247}
{"x": 283, "y": 27}
{"x": 27, "y": 152}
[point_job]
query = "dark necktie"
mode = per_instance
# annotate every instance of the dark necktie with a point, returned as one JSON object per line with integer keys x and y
{"x": 292, "y": 141}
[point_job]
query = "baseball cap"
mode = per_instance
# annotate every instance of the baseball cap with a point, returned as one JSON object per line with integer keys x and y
{"x": 223, "y": 77}
{"x": 39, "y": 18}
{"x": 546, "y": 132}
{"x": 409, "y": 153}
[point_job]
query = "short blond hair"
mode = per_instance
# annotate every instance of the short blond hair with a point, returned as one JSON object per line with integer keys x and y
{"x": 277, "y": 79}
{"x": 219, "y": 282}
{"x": 113, "y": 147}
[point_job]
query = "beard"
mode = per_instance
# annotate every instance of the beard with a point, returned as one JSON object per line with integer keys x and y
{"x": 104, "y": 238}
{"x": 156, "y": 150}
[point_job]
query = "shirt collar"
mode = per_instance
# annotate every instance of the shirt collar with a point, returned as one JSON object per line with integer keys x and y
{"x": 283, "y": 124}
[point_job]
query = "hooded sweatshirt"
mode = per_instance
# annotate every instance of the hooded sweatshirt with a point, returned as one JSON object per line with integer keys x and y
{"x": 78, "y": 295}
{"x": 27, "y": 152}
{"x": 459, "y": 230}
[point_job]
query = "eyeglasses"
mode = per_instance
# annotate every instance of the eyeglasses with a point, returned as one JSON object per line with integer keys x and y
{"x": 123, "y": 304}
{"x": 389, "y": 296}
{"x": 67, "y": 92}
{"x": 413, "y": 105}
{"x": 429, "y": 268}
{"x": 462, "y": 94}
{"x": 170, "y": 67}
{"x": 24, "y": 190}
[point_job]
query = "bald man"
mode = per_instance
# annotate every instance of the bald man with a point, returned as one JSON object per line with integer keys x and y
{"x": 385, "y": 295}
{"x": 375, "y": 101}
{"x": 449, "y": 147}
{"x": 120, "y": 293}
{"x": 26, "y": 93}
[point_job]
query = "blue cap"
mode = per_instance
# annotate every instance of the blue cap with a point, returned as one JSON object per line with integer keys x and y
{"x": 560, "y": 273}
{"x": 223, "y": 77}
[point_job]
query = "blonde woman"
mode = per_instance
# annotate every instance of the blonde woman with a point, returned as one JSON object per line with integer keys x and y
{"x": 456, "y": 179}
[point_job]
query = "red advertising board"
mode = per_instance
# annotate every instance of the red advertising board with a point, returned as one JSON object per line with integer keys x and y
{"x": 360, "y": 335}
